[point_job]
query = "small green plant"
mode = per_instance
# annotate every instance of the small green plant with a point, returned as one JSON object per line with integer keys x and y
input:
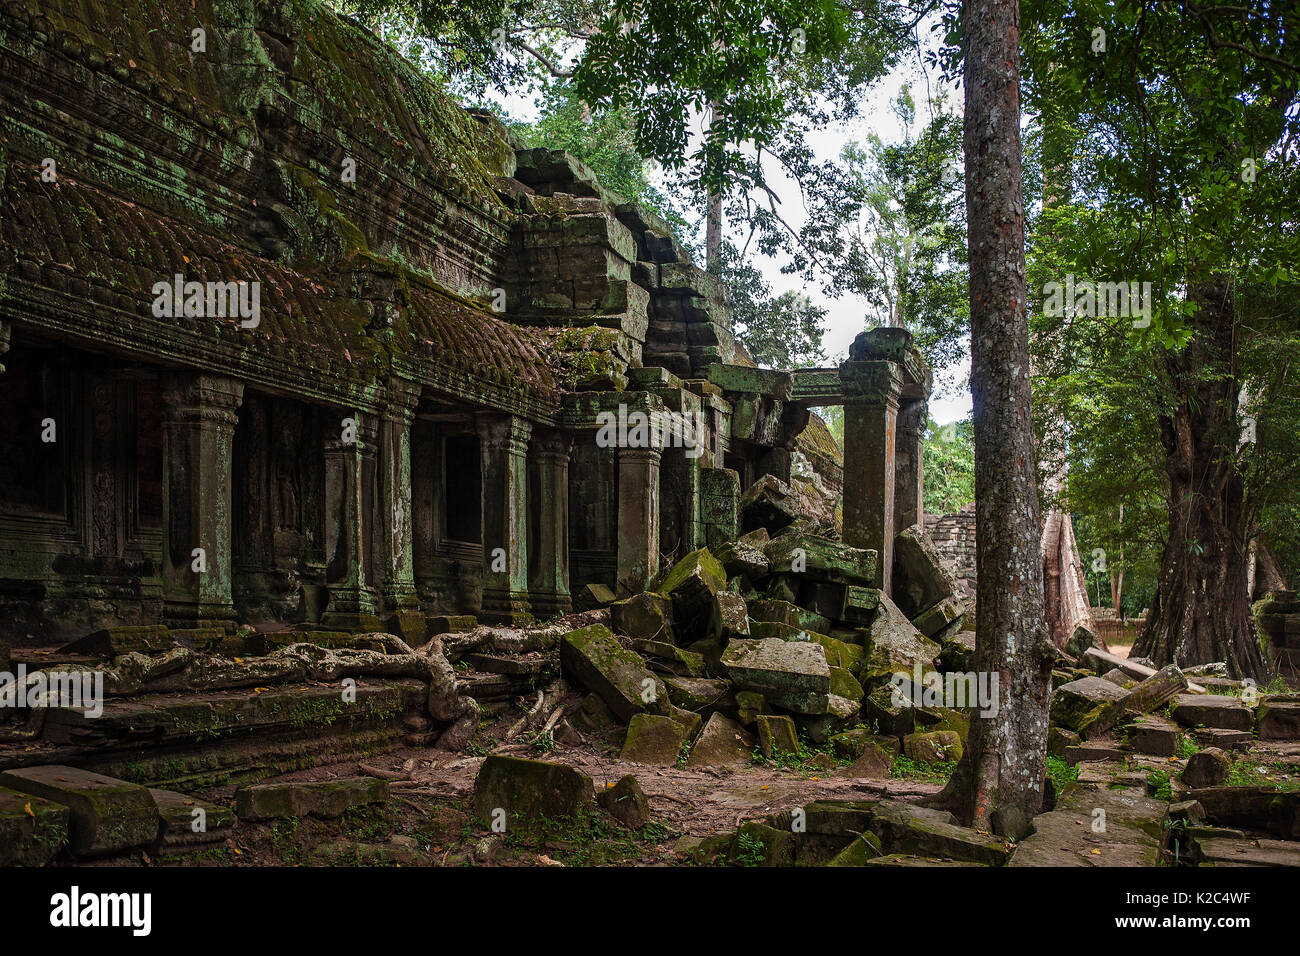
{"x": 1060, "y": 772}
{"x": 1159, "y": 785}
{"x": 750, "y": 850}
{"x": 1187, "y": 746}
{"x": 544, "y": 742}
{"x": 905, "y": 768}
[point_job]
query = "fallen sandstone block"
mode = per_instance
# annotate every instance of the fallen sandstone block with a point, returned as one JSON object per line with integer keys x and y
{"x": 105, "y": 815}
{"x": 515, "y": 791}
{"x": 653, "y": 740}
{"x": 32, "y": 830}
{"x": 593, "y": 658}
{"x": 722, "y": 743}
{"x": 326, "y": 799}
{"x": 790, "y": 675}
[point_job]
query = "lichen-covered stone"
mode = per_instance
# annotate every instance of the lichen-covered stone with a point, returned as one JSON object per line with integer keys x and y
{"x": 1206, "y": 768}
{"x": 105, "y": 815}
{"x": 692, "y": 584}
{"x": 646, "y": 615}
{"x": 524, "y": 792}
{"x": 626, "y": 802}
{"x": 324, "y": 798}
{"x": 593, "y": 658}
{"x": 896, "y": 646}
{"x": 922, "y": 579}
{"x": 933, "y": 747}
{"x": 1075, "y": 702}
{"x": 699, "y": 694}
{"x": 1213, "y": 710}
{"x": 653, "y": 740}
{"x": 722, "y": 743}
{"x": 32, "y": 830}
{"x": 729, "y": 618}
{"x": 792, "y": 676}
{"x": 776, "y": 735}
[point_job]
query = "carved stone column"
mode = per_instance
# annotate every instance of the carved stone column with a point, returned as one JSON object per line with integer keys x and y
{"x": 199, "y": 418}
{"x": 549, "y": 577}
{"x": 638, "y": 517}
{"x": 909, "y": 476}
{"x": 398, "y": 582}
{"x": 503, "y": 440}
{"x": 871, "y": 390}
{"x": 349, "y": 458}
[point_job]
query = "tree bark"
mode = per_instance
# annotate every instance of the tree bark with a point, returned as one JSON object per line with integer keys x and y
{"x": 1201, "y": 610}
{"x": 998, "y": 784}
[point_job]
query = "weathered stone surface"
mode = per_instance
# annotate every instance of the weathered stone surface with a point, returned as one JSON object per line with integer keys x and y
{"x": 863, "y": 849}
{"x": 670, "y": 659}
{"x": 933, "y": 747}
{"x": 894, "y": 719}
{"x": 181, "y": 826}
{"x": 1081, "y": 640}
{"x": 591, "y": 596}
{"x": 792, "y": 676}
{"x": 777, "y": 846}
{"x": 1229, "y": 851}
{"x": 814, "y": 558}
{"x": 860, "y": 604}
{"x": 1093, "y": 752}
{"x": 922, "y": 579}
{"x": 529, "y": 791}
{"x": 749, "y": 704}
{"x": 874, "y": 762}
{"x": 593, "y": 658}
{"x": 1065, "y": 836}
{"x": 32, "y": 830}
{"x": 905, "y": 828}
{"x": 626, "y": 802}
{"x": 1212, "y": 710}
{"x": 1075, "y": 703}
{"x": 769, "y": 503}
{"x": 692, "y": 584}
{"x": 933, "y": 620}
{"x": 1059, "y": 740}
{"x": 777, "y": 735}
{"x": 895, "y": 646}
{"x": 702, "y": 695}
{"x": 743, "y": 558}
{"x": 728, "y": 617}
{"x": 1279, "y": 720}
{"x": 1150, "y": 694}
{"x": 1252, "y": 807}
{"x": 1154, "y": 735}
{"x": 1119, "y": 678}
{"x": 1206, "y": 768}
{"x": 844, "y": 684}
{"x": 653, "y": 740}
{"x": 105, "y": 815}
{"x": 722, "y": 743}
{"x": 112, "y": 641}
{"x": 1224, "y": 739}
{"x": 326, "y": 798}
{"x": 645, "y": 615}
{"x": 957, "y": 652}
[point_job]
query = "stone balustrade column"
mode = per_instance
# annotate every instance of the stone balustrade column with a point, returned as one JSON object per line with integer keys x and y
{"x": 909, "y": 463}
{"x": 549, "y": 578}
{"x": 638, "y": 517}
{"x": 199, "y": 418}
{"x": 503, "y": 440}
{"x": 349, "y": 461}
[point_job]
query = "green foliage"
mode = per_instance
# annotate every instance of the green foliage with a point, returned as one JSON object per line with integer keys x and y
{"x": 750, "y": 850}
{"x": 948, "y": 453}
{"x": 783, "y": 331}
{"x": 1060, "y": 772}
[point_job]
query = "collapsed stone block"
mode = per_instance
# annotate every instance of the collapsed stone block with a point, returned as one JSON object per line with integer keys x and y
{"x": 1073, "y": 704}
{"x": 1206, "y": 768}
{"x": 722, "y": 743}
{"x": 654, "y": 740}
{"x": 699, "y": 694}
{"x": 814, "y": 558}
{"x": 729, "y": 617}
{"x": 626, "y": 802}
{"x": 182, "y": 827}
{"x": 922, "y": 579}
{"x": 105, "y": 815}
{"x": 326, "y": 799}
{"x": 592, "y": 657}
{"x": 1279, "y": 720}
{"x": 777, "y": 735}
{"x": 895, "y": 646}
{"x": 792, "y": 676}
{"x": 32, "y": 830}
{"x": 932, "y": 747}
{"x": 1213, "y": 710}
{"x": 522, "y": 792}
{"x": 693, "y": 583}
{"x": 647, "y": 615}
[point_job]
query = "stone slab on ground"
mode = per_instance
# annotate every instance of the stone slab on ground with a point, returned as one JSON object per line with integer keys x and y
{"x": 528, "y": 791}
{"x": 654, "y": 740}
{"x": 1067, "y": 836}
{"x": 183, "y": 827}
{"x": 1279, "y": 720}
{"x": 722, "y": 743}
{"x": 1154, "y": 736}
{"x": 1213, "y": 710}
{"x": 1075, "y": 703}
{"x": 324, "y": 798}
{"x": 106, "y": 815}
{"x": 1253, "y": 808}
{"x": 32, "y": 830}
{"x": 1228, "y": 851}
{"x": 777, "y": 735}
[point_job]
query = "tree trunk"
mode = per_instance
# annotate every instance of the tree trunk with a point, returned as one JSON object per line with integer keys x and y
{"x": 713, "y": 222}
{"x": 998, "y": 783}
{"x": 1201, "y": 610}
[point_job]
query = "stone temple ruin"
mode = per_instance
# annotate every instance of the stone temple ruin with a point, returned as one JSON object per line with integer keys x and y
{"x": 337, "y": 421}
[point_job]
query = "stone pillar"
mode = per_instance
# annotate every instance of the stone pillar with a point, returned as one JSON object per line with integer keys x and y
{"x": 503, "y": 440}
{"x": 638, "y": 517}
{"x": 199, "y": 417}
{"x": 349, "y": 456}
{"x": 549, "y": 580}
{"x": 871, "y": 390}
{"x": 6, "y": 329}
{"x": 398, "y": 582}
{"x": 909, "y": 464}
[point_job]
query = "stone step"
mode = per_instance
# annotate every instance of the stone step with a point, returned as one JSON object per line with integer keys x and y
{"x": 106, "y": 816}
{"x": 1095, "y": 827}
{"x": 1213, "y": 710}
